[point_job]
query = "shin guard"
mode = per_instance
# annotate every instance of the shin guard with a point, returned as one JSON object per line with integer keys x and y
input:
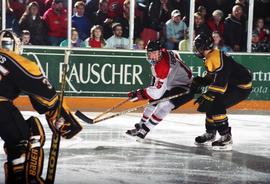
{"x": 35, "y": 155}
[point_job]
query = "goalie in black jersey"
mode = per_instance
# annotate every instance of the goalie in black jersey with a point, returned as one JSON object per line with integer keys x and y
{"x": 228, "y": 83}
{"x": 24, "y": 139}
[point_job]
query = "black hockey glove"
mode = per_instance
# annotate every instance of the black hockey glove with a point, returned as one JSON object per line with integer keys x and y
{"x": 135, "y": 96}
{"x": 197, "y": 84}
{"x": 205, "y": 102}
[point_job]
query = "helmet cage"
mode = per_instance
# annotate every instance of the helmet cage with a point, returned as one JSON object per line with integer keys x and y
{"x": 9, "y": 41}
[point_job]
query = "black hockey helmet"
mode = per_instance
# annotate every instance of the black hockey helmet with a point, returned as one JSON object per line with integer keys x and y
{"x": 201, "y": 43}
{"x": 153, "y": 45}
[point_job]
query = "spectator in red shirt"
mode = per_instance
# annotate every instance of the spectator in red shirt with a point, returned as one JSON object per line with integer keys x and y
{"x": 263, "y": 33}
{"x": 96, "y": 39}
{"x": 115, "y": 8}
{"x": 56, "y": 20}
{"x": 18, "y": 7}
{"x": 215, "y": 23}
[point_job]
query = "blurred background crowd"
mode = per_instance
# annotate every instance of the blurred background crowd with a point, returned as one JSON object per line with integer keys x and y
{"x": 106, "y": 23}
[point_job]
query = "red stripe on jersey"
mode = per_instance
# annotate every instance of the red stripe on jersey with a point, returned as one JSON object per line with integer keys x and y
{"x": 146, "y": 95}
{"x": 163, "y": 66}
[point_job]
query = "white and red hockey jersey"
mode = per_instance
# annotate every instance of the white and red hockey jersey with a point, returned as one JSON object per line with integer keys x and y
{"x": 168, "y": 73}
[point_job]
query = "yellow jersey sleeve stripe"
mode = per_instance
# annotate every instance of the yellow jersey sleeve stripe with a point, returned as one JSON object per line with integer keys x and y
{"x": 218, "y": 88}
{"x": 245, "y": 86}
{"x": 47, "y": 102}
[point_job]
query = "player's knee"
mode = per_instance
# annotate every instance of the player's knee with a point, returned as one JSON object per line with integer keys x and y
{"x": 37, "y": 134}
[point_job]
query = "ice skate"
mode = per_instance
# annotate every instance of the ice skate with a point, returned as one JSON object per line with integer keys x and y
{"x": 134, "y": 132}
{"x": 224, "y": 143}
{"x": 206, "y": 139}
{"x": 143, "y": 131}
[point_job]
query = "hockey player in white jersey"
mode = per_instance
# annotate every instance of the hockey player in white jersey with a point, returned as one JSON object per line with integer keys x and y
{"x": 171, "y": 76}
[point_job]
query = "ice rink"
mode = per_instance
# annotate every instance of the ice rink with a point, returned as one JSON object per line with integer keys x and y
{"x": 102, "y": 154}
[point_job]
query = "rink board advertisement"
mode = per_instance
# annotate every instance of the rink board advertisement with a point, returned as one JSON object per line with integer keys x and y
{"x": 113, "y": 74}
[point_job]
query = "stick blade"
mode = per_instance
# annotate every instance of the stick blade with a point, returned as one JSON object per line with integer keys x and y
{"x": 83, "y": 117}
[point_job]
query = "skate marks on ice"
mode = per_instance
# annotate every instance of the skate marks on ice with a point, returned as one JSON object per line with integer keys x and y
{"x": 102, "y": 154}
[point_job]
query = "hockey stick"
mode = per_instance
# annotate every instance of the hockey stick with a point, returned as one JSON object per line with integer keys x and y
{"x": 88, "y": 120}
{"x": 112, "y": 108}
{"x": 55, "y": 142}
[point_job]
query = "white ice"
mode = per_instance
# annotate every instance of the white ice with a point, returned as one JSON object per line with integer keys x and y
{"x": 102, "y": 154}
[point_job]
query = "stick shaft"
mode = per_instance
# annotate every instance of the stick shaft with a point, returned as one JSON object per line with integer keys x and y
{"x": 142, "y": 106}
{"x": 55, "y": 142}
{"x": 112, "y": 108}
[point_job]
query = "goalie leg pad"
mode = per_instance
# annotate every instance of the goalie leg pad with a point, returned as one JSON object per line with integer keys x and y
{"x": 15, "y": 167}
{"x": 35, "y": 155}
{"x": 67, "y": 125}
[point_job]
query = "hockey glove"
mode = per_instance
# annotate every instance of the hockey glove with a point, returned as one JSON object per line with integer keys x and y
{"x": 67, "y": 125}
{"x": 199, "y": 82}
{"x": 135, "y": 96}
{"x": 205, "y": 102}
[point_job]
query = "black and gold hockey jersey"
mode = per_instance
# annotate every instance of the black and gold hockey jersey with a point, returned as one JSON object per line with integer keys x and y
{"x": 18, "y": 74}
{"x": 226, "y": 72}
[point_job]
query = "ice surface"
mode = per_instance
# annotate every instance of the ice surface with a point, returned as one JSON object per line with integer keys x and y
{"x": 101, "y": 154}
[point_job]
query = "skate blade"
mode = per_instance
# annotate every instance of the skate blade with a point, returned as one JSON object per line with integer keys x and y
{"x": 133, "y": 137}
{"x": 206, "y": 144}
{"x": 222, "y": 148}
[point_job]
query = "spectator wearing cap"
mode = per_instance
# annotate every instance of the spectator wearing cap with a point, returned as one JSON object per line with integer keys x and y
{"x": 117, "y": 41}
{"x": 80, "y": 21}
{"x": 175, "y": 30}
{"x": 56, "y": 20}
{"x": 215, "y": 23}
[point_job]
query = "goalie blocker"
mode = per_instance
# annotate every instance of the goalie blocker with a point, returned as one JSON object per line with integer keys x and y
{"x": 67, "y": 125}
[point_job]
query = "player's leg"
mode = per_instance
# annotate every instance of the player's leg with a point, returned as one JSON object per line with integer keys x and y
{"x": 210, "y": 134}
{"x": 161, "y": 111}
{"x": 35, "y": 153}
{"x": 233, "y": 96}
{"x": 14, "y": 130}
{"x": 148, "y": 111}
{"x": 164, "y": 108}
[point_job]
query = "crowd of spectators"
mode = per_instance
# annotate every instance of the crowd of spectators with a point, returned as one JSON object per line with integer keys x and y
{"x": 105, "y": 23}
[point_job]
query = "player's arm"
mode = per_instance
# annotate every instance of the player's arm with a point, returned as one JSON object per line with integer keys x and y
{"x": 27, "y": 76}
{"x": 155, "y": 91}
{"x": 221, "y": 72}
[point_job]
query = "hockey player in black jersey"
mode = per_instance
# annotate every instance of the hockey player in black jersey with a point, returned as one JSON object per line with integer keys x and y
{"x": 228, "y": 83}
{"x": 24, "y": 139}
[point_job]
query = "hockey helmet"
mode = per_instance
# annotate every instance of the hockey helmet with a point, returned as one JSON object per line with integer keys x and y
{"x": 153, "y": 57}
{"x": 9, "y": 41}
{"x": 201, "y": 43}
{"x": 153, "y": 45}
